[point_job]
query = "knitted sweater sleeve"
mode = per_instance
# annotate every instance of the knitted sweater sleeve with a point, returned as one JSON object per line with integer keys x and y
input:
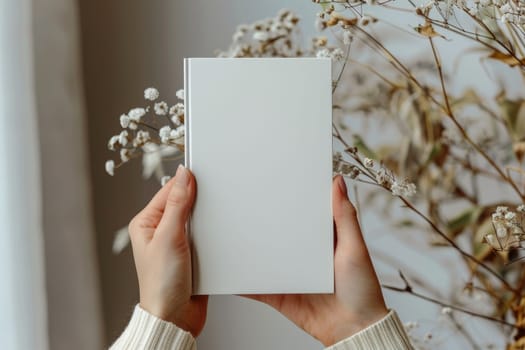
{"x": 386, "y": 334}
{"x": 147, "y": 332}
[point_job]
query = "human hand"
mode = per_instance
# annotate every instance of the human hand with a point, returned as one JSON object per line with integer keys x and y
{"x": 357, "y": 301}
{"x": 162, "y": 255}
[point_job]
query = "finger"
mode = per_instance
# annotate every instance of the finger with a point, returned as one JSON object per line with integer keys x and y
{"x": 178, "y": 206}
{"x": 155, "y": 208}
{"x": 145, "y": 222}
{"x": 345, "y": 216}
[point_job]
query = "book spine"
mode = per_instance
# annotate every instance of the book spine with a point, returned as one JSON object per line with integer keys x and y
{"x": 187, "y": 115}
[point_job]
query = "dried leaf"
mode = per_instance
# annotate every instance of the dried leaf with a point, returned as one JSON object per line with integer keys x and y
{"x": 506, "y": 58}
{"x": 465, "y": 219}
{"x": 405, "y": 223}
{"x": 513, "y": 111}
{"x": 360, "y": 144}
{"x": 481, "y": 249}
{"x": 428, "y": 31}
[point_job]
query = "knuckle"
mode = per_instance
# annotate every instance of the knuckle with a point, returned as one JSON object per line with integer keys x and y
{"x": 133, "y": 226}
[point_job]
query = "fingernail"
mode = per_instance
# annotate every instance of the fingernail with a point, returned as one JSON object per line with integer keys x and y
{"x": 182, "y": 176}
{"x": 342, "y": 186}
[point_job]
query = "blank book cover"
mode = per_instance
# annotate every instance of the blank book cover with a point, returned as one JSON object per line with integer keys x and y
{"x": 259, "y": 141}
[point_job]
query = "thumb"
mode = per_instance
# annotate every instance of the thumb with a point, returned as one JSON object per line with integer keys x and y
{"x": 178, "y": 207}
{"x": 345, "y": 216}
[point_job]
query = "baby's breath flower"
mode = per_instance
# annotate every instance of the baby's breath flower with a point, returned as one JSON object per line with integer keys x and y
{"x": 497, "y": 216}
{"x": 177, "y": 133}
{"x": 176, "y": 120}
{"x": 336, "y": 162}
{"x": 151, "y": 94}
{"x": 502, "y": 210}
{"x": 260, "y": 36}
{"x": 110, "y": 167}
{"x": 113, "y": 142}
{"x": 136, "y": 114}
{"x": 123, "y": 138}
{"x": 180, "y": 94}
{"x": 446, "y": 310}
{"x": 404, "y": 189}
{"x": 161, "y": 108}
{"x": 354, "y": 172}
{"x": 165, "y": 180}
{"x": 369, "y": 163}
{"x": 124, "y": 154}
{"x": 164, "y": 134}
{"x": 141, "y": 138}
{"x": 335, "y": 54}
{"x": 521, "y": 208}
{"x": 133, "y": 125}
{"x": 323, "y": 53}
{"x": 338, "y": 54}
{"x": 124, "y": 121}
{"x": 177, "y": 109}
{"x": 383, "y": 178}
{"x": 501, "y": 231}
{"x": 510, "y": 216}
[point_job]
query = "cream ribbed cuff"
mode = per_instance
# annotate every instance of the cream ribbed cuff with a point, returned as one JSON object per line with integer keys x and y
{"x": 386, "y": 334}
{"x": 147, "y": 332}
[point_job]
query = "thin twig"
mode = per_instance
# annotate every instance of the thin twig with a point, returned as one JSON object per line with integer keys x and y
{"x": 408, "y": 289}
{"x": 458, "y": 248}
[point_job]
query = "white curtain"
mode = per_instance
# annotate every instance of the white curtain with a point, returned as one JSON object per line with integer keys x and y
{"x": 49, "y": 290}
{"x": 23, "y": 321}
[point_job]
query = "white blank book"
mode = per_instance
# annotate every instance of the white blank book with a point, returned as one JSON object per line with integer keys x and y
{"x": 259, "y": 142}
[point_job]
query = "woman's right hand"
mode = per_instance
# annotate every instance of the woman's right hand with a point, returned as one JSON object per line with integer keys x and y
{"x": 357, "y": 302}
{"x": 163, "y": 257}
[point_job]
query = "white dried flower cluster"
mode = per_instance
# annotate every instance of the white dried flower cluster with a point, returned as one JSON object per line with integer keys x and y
{"x": 329, "y": 17}
{"x": 403, "y": 189}
{"x": 386, "y": 178}
{"x": 169, "y": 135}
{"x": 342, "y": 167}
{"x": 272, "y": 37}
{"x": 161, "y": 108}
{"x": 506, "y": 11}
{"x": 508, "y": 228}
{"x": 140, "y": 132}
{"x": 335, "y": 54}
{"x": 151, "y": 94}
{"x": 446, "y": 310}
